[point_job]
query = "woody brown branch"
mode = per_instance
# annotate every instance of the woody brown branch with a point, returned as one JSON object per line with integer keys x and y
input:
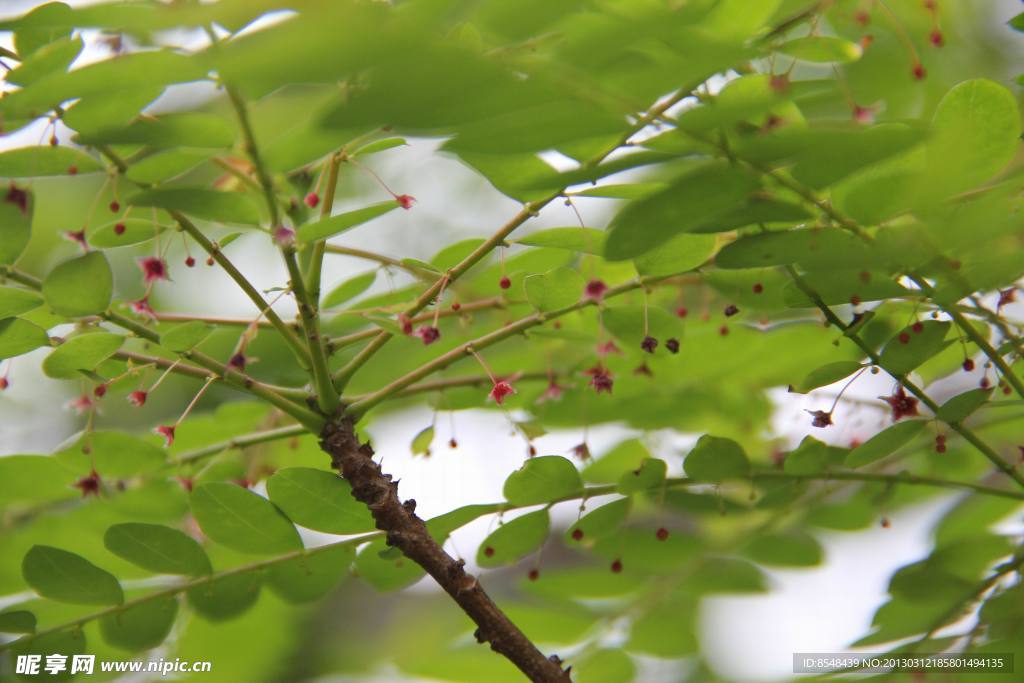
{"x": 409, "y": 533}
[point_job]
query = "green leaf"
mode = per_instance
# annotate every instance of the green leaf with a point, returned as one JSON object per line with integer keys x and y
{"x": 442, "y": 526}
{"x": 605, "y": 666}
{"x": 158, "y": 548}
{"x": 649, "y": 475}
{"x": 242, "y": 520}
{"x": 884, "y": 443}
{"x": 15, "y": 223}
{"x": 793, "y": 549}
{"x": 542, "y": 480}
{"x": 1017, "y": 22}
{"x": 962, "y": 406}
{"x": 585, "y": 240}
{"x": 142, "y": 626}
{"x": 514, "y": 540}
{"x": 680, "y": 254}
{"x": 421, "y": 442}
{"x": 185, "y": 336}
{"x": 666, "y": 630}
{"x": 17, "y": 621}
{"x": 114, "y": 454}
{"x": 66, "y": 643}
{"x": 822, "y": 49}
{"x": 555, "y": 289}
{"x": 909, "y": 349}
{"x": 715, "y": 458}
{"x": 626, "y": 191}
{"x": 624, "y": 457}
{"x": 342, "y": 222}
{"x": 829, "y": 373}
{"x": 600, "y": 522}
{"x": 99, "y": 112}
{"x": 386, "y": 572}
{"x": 811, "y": 457}
{"x": 190, "y": 129}
{"x": 976, "y": 132}
{"x": 350, "y": 289}
{"x": 689, "y": 202}
{"x": 810, "y": 247}
{"x": 123, "y": 232}
{"x": 66, "y": 577}
{"x": 311, "y": 576}
{"x": 84, "y": 352}
{"x": 165, "y": 166}
{"x": 226, "y": 207}
{"x": 19, "y": 336}
{"x": 318, "y": 500}
{"x": 379, "y": 146}
{"x": 55, "y": 57}
{"x": 226, "y": 597}
{"x": 45, "y": 160}
{"x": 81, "y": 286}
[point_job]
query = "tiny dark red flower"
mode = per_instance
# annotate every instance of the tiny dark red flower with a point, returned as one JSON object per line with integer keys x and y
{"x": 72, "y": 170}
{"x": 936, "y": 38}
{"x": 534, "y": 574}
{"x": 90, "y": 485}
{"x": 428, "y": 334}
{"x": 166, "y": 431}
{"x": 553, "y": 392}
{"x": 210, "y": 261}
{"x": 489, "y": 551}
{"x": 17, "y": 196}
{"x": 661, "y": 534}
{"x": 137, "y": 398}
{"x": 577, "y": 534}
{"x": 940, "y": 443}
{"x": 186, "y": 483}
{"x": 595, "y": 290}
{"x": 190, "y": 262}
{"x": 452, "y": 443}
{"x": 682, "y": 312}
{"x": 968, "y": 365}
{"x": 917, "y": 327}
{"x": 4, "y": 383}
{"x": 779, "y": 83}
{"x": 283, "y": 236}
{"x": 672, "y": 345}
{"x": 119, "y": 228}
{"x": 500, "y": 391}
{"x": 1007, "y": 296}
{"x": 153, "y": 268}
{"x": 115, "y": 206}
{"x": 902, "y": 405}
{"x": 237, "y": 361}
{"x": 616, "y": 566}
{"x": 312, "y": 199}
{"x": 904, "y": 338}
{"x": 100, "y": 390}
{"x": 731, "y": 310}
{"x": 600, "y": 379}
{"x": 862, "y": 17}
{"x": 581, "y": 451}
{"x": 820, "y": 418}
{"x": 505, "y": 282}
{"x": 405, "y": 323}
{"x": 757, "y": 288}
{"x": 918, "y": 71}
{"x": 648, "y": 344}
{"x": 456, "y": 306}
{"x": 643, "y": 369}
{"x": 405, "y": 201}
{"x": 608, "y": 347}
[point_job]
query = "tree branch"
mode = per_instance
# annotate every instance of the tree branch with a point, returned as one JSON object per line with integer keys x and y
{"x": 409, "y": 534}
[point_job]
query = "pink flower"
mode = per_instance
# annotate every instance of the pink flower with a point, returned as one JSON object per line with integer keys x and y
{"x": 76, "y": 236}
{"x": 284, "y": 237}
{"x": 500, "y": 390}
{"x": 607, "y": 348}
{"x": 428, "y": 334}
{"x": 237, "y": 361}
{"x": 4, "y": 383}
{"x": 312, "y": 199}
{"x": 581, "y": 451}
{"x": 166, "y": 431}
{"x": 820, "y": 418}
{"x": 405, "y": 323}
{"x": 142, "y": 307}
{"x": 595, "y": 290}
{"x": 153, "y": 268}
{"x": 863, "y": 115}
{"x": 552, "y": 393}
{"x": 405, "y": 200}
{"x": 82, "y": 404}
{"x": 137, "y": 398}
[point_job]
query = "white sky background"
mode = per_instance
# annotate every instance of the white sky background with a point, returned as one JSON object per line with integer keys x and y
{"x": 745, "y": 638}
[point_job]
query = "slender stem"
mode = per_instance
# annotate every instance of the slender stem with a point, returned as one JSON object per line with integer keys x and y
{"x": 960, "y": 429}
{"x": 359, "y": 408}
{"x": 245, "y": 179}
{"x": 316, "y": 263}
{"x": 237, "y": 442}
{"x": 528, "y": 211}
{"x": 326, "y": 395}
{"x": 251, "y": 148}
{"x": 212, "y": 320}
{"x": 379, "y": 258}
